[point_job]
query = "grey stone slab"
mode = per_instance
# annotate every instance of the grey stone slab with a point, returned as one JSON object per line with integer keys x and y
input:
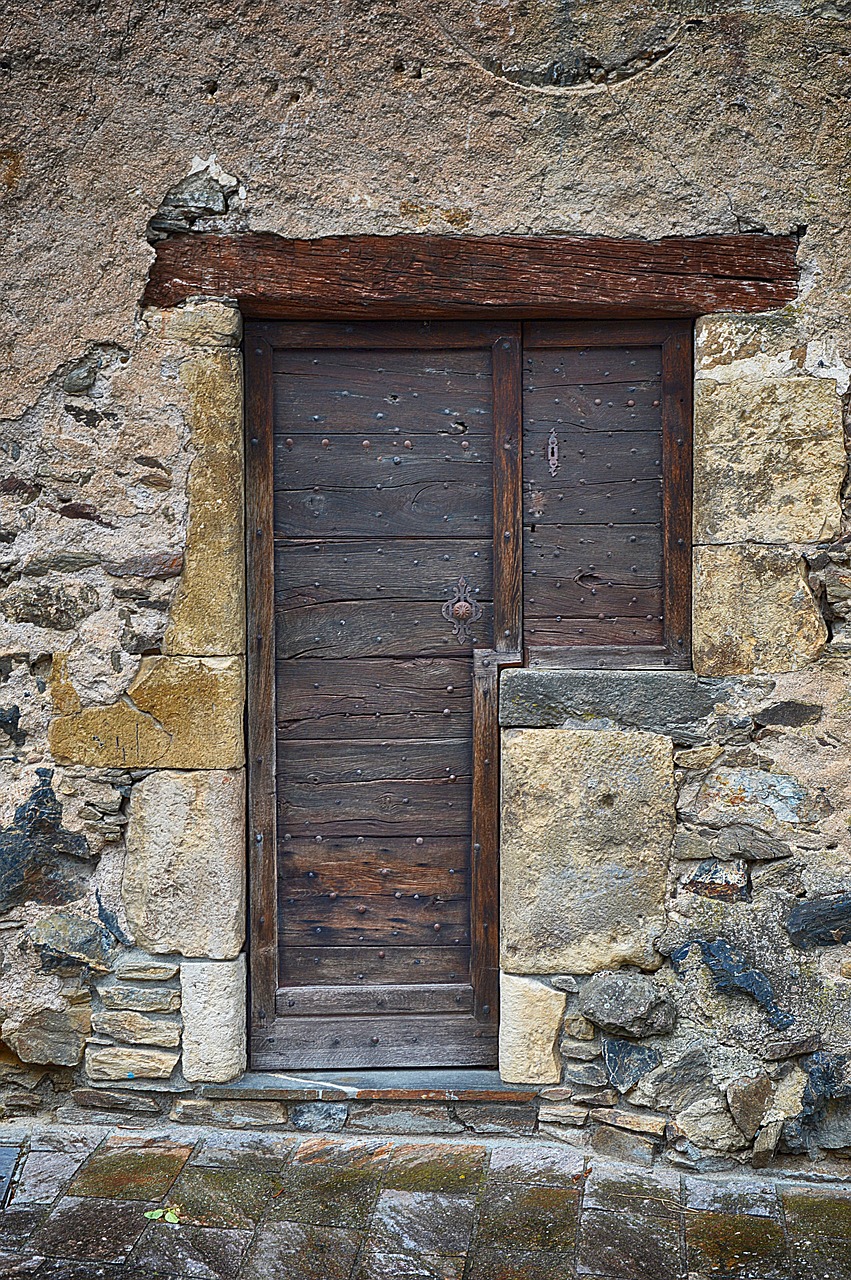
{"x": 628, "y": 1245}
{"x": 19, "y": 1225}
{"x": 675, "y": 703}
{"x": 739, "y": 1195}
{"x": 375, "y": 1265}
{"x": 8, "y": 1160}
{"x": 513, "y": 1264}
{"x": 338, "y": 1085}
{"x": 741, "y": 1246}
{"x": 91, "y": 1229}
{"x": 205, "y": 1253}
{"x": 296, "y": 1251}
{"x": 536, "y": 1163}
{"x": 610, "y": 1186}
{"x": 422, "y": 1223}
{"x": 44, "y": 1175}
{"x": 522, "y": 1216}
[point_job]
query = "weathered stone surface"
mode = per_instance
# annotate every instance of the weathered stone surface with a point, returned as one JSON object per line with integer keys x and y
{"x": 213, "y": 1008}
{"x": 576, "y": 1026}
{"x": 245, "y": 1114}
{"x": 50, "y": 1035}
{"x": 635, "y": 1121}
{"x": 731, "y": 972}
{"x": 821, "y": 922}
{"x": 203, "y": 322}
{"x": 627, "y": 1004}
{"x": 588, "y": 819}
{"x": 208, "y": 612}
{"x": 183, "y": 887}
{"x": 753, "y": 611}
{"x": 136, "y": 1028}
{"x": 111, "y": 1100}
{"x": 118, "y": 1062}
{"x": 748, "y": 1101}
{"x": 529, "y": 1024}
{"x": 145, "y": 968}
{"x": 626, "y": 1062}
{"x": 673, "y": 703}
{"x": 142, "y": 999}
{"x": 178, "y": 713}
{"x": 726, "y": 881}
{"x": 562, "y": 1113}
{"x": 765, "y": 1144}
{"x": 319, "y": 1117}
{"x": 591, "y": 1073}
{"x": 40, "y": 860}
{"x": 621, "y": 1144}
{"x": 769, "y": 460}
{"x": 379, "y": 1117}
{"x": 498, "y": 1118}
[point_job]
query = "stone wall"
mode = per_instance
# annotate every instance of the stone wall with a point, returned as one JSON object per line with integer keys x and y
{"x": 688, "y": 836}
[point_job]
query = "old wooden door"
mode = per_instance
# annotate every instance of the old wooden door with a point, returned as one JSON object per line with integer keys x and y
{"x": 393, "y": 449}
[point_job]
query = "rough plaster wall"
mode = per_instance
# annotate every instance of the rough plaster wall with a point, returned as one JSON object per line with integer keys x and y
{"x": 381, "y": 117}
{"x": 372, "y": 117}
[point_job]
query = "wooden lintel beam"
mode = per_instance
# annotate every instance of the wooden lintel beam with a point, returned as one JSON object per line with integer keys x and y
{"x": 455, "y": 276}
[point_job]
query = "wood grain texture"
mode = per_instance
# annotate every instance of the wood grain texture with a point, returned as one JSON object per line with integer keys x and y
{"x": 262, "y": 838}
{"x": 447, "y": 997}
{"x": 352, "y": 1042}
{"x": 310, "y": 966}
{"x": 677, "y": 418}
{"x": 412, "y": 864}
{"x": 376, "y": 276}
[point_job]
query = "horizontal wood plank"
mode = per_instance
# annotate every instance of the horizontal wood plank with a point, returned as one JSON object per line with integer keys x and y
{"x": 627, "y": 552}
{"x": 353, "y": 764}
{"x": 551, "y": 597}
{"x": 344, "y": 462}
{"x": 594, "y": 631}
{"x": 365, "y": 629}
{"x": 306, "y": 966}
{"x": 394, "y": 920}
{"x": 455, "y": 501}
{"x": 375, "y": 808}
{"x": 447, "y": 997}
{"x": 459, "y": 275}
{"x": 416, "y": 864}
{"x": 593, "y": 368}
{"x": 329, "y": 700}
{"x": 294, "y": 1043}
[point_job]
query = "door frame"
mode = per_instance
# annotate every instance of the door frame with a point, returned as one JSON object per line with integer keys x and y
{"x": 445, "y": 277}
{"x": 260, "y": 340}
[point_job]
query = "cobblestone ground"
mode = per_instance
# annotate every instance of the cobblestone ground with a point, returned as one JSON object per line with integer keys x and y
{"x": 251, "y": 1206}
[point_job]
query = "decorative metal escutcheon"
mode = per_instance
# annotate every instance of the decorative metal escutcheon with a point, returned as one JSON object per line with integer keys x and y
{"x": 462, "y": 610}
{"x": 552, "y": 452}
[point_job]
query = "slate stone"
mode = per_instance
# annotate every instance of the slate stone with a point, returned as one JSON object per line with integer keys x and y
{"x": 731, "y": 973}
{"x": 8, "y": 1160}
{"x": 9, "y": 724}
{"x": 726, "y": 881}
{"x": 520, "y": 1264}
{"x": 820, "y": 922}
{"x": 194, "y": 1251}
{"x": 627, "y": 1004}
{"x": 740, "y": 1245}
{"x": 422, "y": 1222}
{"x": 39, "y": 860}
{"x": 63, "y": 938}
{"x": 675, "y": 703}
{"x": 520, "y": 1216}
{"x": 741, "y": 841}
{"x": 299, "y": 1251}
{"x": 626, "y": 1062}
{"x": 319, "y": 1117}
{"x": 629, "y": 1245}
{"x": 91, "y": 1229}
{"x": 789, "y": 714}
{"x": 326, "y": 1195}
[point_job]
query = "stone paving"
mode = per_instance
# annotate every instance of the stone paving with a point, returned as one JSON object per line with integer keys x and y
{"x": 253, "y": 1206}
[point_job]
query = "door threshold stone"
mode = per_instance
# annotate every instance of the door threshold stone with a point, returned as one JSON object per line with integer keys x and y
{"x": 435, "y": 1085}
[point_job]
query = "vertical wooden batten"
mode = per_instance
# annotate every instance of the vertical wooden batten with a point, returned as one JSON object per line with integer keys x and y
{"x": 262, "y": 833}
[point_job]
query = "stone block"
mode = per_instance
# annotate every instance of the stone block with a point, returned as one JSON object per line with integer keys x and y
{"x": 142, "y": 999}
{"x": 627, "y": 1004}
{"x": 184, "y": 875}
{"x": 634, "y": 1121}
{"x": 753, "y": 611}
{"x": 562, "y": 1113}
{"x": 319, "y": 1117}
{"x": 673, "y": 703}
{"x": 377, "y": 1117}
{"x": 208, "y": 612}
{"x": 136, "y": 1028}
{"x": 529, "y": 1025}
{"x": 146, "y": 969}
{"x": 178, "y": 713}
{"x": 203, "y": 323}
{"x": 769, "y": 460}
{"x": 55, "y": 1036}
{"x": 118, "y": 1062}
{"x": 497, "y": 1118}
{"x": 214, "y": 1016}
{"x": 588, "y": 820}
{"x": 240, "y": 1114}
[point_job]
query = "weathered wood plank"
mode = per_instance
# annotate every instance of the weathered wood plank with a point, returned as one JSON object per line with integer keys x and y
{"x": 594, "y": 631}
{"x": 347, "y": 920}
{"x": 375, "y": 808}
{"x": 678, "y": 383}
{"x": 393, "y": 568}
{"x": 454, "y": 502}
{"x": 592, "y": 597}
{"x": 592, "y": 367}
{"x": 306, "y": 966}
{"x": 457, "y": 275}
{"x": 354, "y": 1042}
{"x": 447, "y": 997}
{"x": 424, "y": 864}
{"x": 262, "y": 840}
{"x": 628, "y": 552}
{"x": 324, "y": 699}
{"x": 401, "y": 629}
{"x": 346, "y": 764}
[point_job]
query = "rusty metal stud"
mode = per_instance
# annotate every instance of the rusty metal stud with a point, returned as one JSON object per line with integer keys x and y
{"x": 381, "y": 955}
{"x": 361, "y": 910}
{"x": 418, "y": 840}
{"x": 325, "y": 442}
{"x": 374, "y": 1039}
{"x": 333, "y": 895}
